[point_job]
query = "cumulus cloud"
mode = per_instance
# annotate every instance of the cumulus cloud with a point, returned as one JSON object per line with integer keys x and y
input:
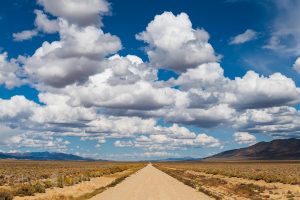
{"x": 10, "y": 72}
{"x": 87, "y": 90}
{"x": 142, "y": 156}
{"x": 167, "y": 142}
{"x": 44, "y": 24}
{"x": 174, "y": 44}
{"x": 276, "y": 121}
{"x": 8, "y": 134}
{"x": 244, "y": 138}
{"x": 124, "y": 84}
{"x": 242, "y": 38}
{"x": 16, "y": 108}
{"x": 254, "y": 91}
{"x": 27, "y": 124}
{"x": 209, "y": 117}
{"x": 138, "y": 96}
{"x": 45, "y": 141}
{"x": 207, "y": 85}
{"x": 296, "y": 65}
{"x": 72, "y": 59}
{"x": 24, "y": 35}
{"x": 157, "y": 154}
{"x": 83, "y": 13}
{"x": 56, "y": 110}
{"x": 119, "y": 143}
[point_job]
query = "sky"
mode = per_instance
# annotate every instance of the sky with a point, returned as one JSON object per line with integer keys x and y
{"x": 147, "y": 79}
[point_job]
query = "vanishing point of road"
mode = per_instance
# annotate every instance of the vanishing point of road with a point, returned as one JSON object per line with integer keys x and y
{"x": 151, "y": 184}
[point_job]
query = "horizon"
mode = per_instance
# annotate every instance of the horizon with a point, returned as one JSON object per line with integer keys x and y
{"x": 148, "y": 80}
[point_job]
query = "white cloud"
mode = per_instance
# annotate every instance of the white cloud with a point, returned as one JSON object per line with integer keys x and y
{"x": 88, "y": 91}
{"x": 254, "y": 91}
{"x": 83, "y": 13}
{"x": 10, "y": 72}
{"x": 16, "y": 108}
{"x": 207, "y": 86}
{"x": 142, "y": 156}
{"x": 138, "y": 96}
{"x": 209, "y": 117}
{"x": 119, "y": 143}
{"x": 244, "y": 138}
{"x": 120, "y": 127}
{"x": 167, "y": 142}
{"x": 285, "y": 29}
{"x": 158, "y": 154}
{"x": 57, "y": 110}
{"x": 247, "y": 36}
{"x": 204, "y": 76}
{"x": 276, "y": 121}
{"x": 8, "y": 135}
{"x": 146, "y": 134}
{"x": 296, "y": 65}
{"x": 44, "y": 24}
{"x": 72, "y": 59}
{"x": 45, "y": 141}
{"x": 124, "y": 84}
{"x": 174, "y": 44}
{"x": 24, "y": 35}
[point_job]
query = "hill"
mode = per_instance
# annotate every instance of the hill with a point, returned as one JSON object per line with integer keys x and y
{"x": 43, "y": 156}
{"x": 281, "y": 149}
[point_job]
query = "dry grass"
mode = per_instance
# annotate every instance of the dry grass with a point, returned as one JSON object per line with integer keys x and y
{"x": 25, "y": 178}
{"x": 5, "y": 195}
{"x": 284, "y": 172}
{"x": 239, "y": 180}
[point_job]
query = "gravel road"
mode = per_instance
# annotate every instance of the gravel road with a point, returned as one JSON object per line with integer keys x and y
{"x": 151, "y": 184}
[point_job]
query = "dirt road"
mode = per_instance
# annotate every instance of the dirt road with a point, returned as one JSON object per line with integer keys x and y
{"x": 151, "y": 184}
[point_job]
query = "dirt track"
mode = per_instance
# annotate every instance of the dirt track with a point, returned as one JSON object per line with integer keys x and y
{"x": 151, "y": 184}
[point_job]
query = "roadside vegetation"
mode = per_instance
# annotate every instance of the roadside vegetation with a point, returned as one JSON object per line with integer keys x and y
{"x": 239, "y": 180}
{"x": 27, "y": 178}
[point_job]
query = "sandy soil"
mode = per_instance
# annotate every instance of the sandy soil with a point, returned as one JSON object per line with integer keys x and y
{"x": 74, "y": 190}
{"x": 151, "y": 184}
{"x": 276, "y": 191}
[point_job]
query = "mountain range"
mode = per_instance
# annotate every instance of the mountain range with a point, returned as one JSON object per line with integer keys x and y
{"x": 43, "y": 156}
{"x": 280, "y": 149}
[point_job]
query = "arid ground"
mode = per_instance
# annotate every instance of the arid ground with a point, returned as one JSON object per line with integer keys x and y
{"x": 45, "y": 180}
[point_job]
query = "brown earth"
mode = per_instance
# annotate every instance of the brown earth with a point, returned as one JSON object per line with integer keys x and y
{"x": 74, "y": 190}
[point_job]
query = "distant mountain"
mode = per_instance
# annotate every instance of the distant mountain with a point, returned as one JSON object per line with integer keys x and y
{"x": 172, "y": 159}
{"x": 281, "y": 149}
{"x": 43, "y": 156}
{"x": 181, "y": 159}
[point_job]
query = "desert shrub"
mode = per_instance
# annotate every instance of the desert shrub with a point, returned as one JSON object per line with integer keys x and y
{"x": 244, "y": 189}
{"x": 85, "y": 178}
{"x": 213, "y": 181}
{"x": 22, "y": 175}
{"x": 248, "y": 190}
{"x": 25, "y": 190}
{"x": 2, "y": 179}
{"x": 45, "y": 176}
{"x": 60, "y": 181}
{"x": 68, "y": 180}
{"x": 48, "y": 183}
{"x": 39, "y": 188}
{"x": 5, "y": 195}
{"x": 209, "y": 193}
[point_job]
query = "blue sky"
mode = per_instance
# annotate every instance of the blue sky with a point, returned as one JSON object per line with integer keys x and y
{"x": 149, "y": 79}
